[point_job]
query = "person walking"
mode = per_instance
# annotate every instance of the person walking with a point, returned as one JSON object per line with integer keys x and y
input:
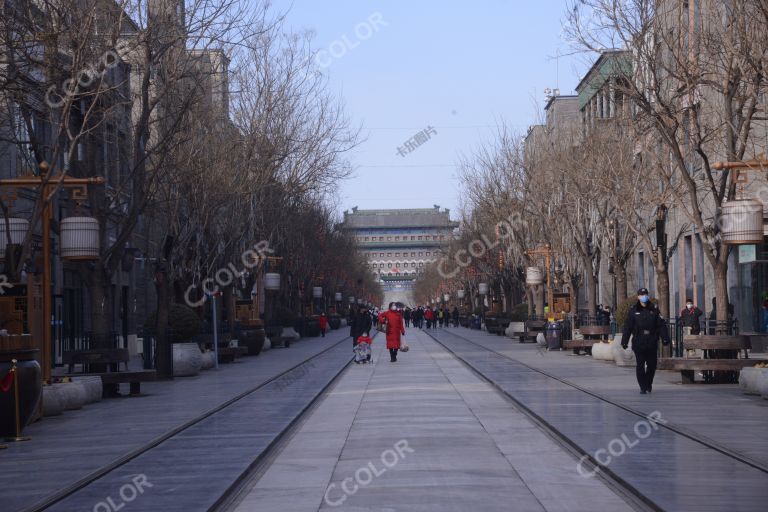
{"x": 428, "y": 317}
{"x": 323, "y": 321}
{"x": 455, "y": 315}
{"x": 394, "y": 330}
{"x": 691, "y": 317}
{"x": 645, "y": 326}
{"x": 361, "y": 323}
{"x": 407, "y": 317}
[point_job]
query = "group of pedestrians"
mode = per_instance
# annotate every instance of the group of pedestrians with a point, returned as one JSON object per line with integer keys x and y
{"x": 393, "y": 326}
{"x": 431, "y": 317}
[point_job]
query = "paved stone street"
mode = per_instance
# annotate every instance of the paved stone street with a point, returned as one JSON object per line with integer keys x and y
{"x": 452, "y": 441}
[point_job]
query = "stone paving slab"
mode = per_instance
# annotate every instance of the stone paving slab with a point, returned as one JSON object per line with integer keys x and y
{"x": 66, "y": 448}
{"x": 672, "y": 470}
{"x": 718, "y": 412}
{"x": 455, "y": 424}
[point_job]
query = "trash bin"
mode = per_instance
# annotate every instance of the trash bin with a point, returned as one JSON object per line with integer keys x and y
{"x": 475, "y": 323}
{"x": 553, "y": 332}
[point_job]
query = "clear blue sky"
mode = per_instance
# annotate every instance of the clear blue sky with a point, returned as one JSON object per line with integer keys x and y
{"x": 461, "y": 67}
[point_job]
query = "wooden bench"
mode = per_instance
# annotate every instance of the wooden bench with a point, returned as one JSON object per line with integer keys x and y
{"x": 720, "y": 363}
{"x": 97, "y": 360}
{"x": 592, "y": 334}
{"x": 532, "y": 329}
{"x": 228, "y": 354}
{"x": 496, "y": 325}
{"x": 274, "y": 335}
{"x": 105, "y": 363}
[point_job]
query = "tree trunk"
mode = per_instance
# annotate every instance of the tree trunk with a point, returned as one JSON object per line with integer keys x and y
{"x": 539, "y": 294}
{"x": 591, "y": 292}
{"x": 721, "y": 292}
{"x": 662, "y": 287}
{"x": 529, "y": 300}
{"x": 100, "y": 291}
{"x": 163, "y": 347}
{"x": 621, "y": 282}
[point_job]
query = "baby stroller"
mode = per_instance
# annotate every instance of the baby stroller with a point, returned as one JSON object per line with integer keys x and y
{"x": 363, "y": 349}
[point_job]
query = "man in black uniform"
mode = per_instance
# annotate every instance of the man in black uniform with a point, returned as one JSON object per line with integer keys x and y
{"x": 645, "y": 325}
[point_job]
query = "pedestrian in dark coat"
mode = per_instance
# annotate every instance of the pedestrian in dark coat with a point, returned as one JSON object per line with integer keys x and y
{"x": 691, "y": 317}
{"x": 361, "y": 323}
{"x": 645, "y": 326}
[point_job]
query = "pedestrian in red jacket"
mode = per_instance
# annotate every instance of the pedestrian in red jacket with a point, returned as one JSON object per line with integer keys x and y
{"x": 395, "y": 330}
{"x": 323, "y": 324}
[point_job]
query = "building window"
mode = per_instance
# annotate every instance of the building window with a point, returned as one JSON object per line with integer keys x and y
{"x": 421, "y": 264}
{"x": 428, "y": 254}
{"x": 421, "y": 254}
{"x": 413, "y": 264}
{"x": 389, "y": 265}
{"x": 397, "y": 254}
{"x": 397, "y": 239}
{"x": 381, "y": 239}
{"x": 413, "y": 238}
{"x": 389, "y": 255}
{"x": 397, "y": 264}
{"x": 389, "y": 239}
{"x": 367, "y": 238}
{"x": 419, "y": 238}
{"x": 381, "y": 255}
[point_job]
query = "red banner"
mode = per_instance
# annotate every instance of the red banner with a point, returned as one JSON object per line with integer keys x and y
{"x": 5, "y": 383}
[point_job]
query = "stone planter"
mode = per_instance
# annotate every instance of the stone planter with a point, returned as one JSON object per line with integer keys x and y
{"x": 93, "y": 388}
{"x": 762, "y": 383}
{"x": 30, "y": 389}
{"x": 602, "y": 351}
{"x": 53, "y": 404}
{"x": 290, "y": 332}
{"x": 73, "y": 395}
{"x": 513, "y": 328}
{"x": 748, "y": 378}
{"x": 208, "y": 360}
{"x": 187, "y": 359}
{"x": 253, "y": 339}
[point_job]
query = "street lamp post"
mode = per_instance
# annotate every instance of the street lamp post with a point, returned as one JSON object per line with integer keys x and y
{"x": 49, "y": 186}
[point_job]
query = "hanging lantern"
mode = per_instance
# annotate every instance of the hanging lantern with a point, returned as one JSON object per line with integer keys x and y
{"x": 446, "y": 297}
{"x": 18, "y": 230}
{"x": 317, "y": 292}
{"x": 79, "y": 238}
{"x": 359, "y": 301}
{"x": 742, "y": 222}
{"x": 534, "y": 276}
{"x": 271, "y": 281}
{"x": 351, "y": 299}
{"x": 483, "y": 288}
{"x": 460, "y": 294}
{"x": 337, "y": 297}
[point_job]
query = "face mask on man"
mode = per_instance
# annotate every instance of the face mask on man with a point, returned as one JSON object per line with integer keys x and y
{"x": 689, "y": 305}
{"x": 643, "y": 298}
{"x": 393, "y": 308}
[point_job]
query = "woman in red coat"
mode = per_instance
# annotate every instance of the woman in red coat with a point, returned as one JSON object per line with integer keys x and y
{"x": 395, "y": 329}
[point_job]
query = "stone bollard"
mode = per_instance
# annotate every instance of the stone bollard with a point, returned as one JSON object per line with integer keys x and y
{"x": 73, "y": 395}
{"x": 53, "y": 404}
{"x": 267, "y": 344}
{"x": 208, "y": 360}
{"x": 187, "y": 359}
{"x": 93, "y": 388}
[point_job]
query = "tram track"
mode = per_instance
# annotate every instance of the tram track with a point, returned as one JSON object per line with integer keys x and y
{"x": 285, "y": 378}
{"x": 620, "y": 484}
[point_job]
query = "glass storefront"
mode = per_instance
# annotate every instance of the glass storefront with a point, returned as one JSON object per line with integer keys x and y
{"x": 752, "y": 287}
